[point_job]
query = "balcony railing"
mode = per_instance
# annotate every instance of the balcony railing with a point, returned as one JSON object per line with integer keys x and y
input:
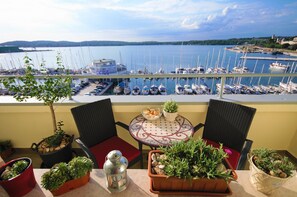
{"x": 220, "y": 79}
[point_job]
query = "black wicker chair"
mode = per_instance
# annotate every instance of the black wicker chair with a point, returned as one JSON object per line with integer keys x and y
{"x": 228, "y": 123}
{"x": 98, "y": 135}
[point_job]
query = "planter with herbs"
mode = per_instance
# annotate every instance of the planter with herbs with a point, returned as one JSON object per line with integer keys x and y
{"x": 170, "y": 109}
{"x": 64, "y": 177}
{"x": 190, "y": 168}
{"x": 17, "y": 177}
{"x": 269, "y": 170}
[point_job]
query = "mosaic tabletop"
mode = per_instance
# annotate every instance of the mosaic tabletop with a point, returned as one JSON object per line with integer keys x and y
{"x": 160, "y": 132}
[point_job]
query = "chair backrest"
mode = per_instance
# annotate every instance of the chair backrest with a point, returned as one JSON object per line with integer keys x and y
{"x": 228, "y": 123}
{"x": 95, "y": 121}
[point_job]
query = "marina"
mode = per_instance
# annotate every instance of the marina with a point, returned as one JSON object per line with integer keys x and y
{"x": 269, "y": 58}
{"x": 156, "y": 70}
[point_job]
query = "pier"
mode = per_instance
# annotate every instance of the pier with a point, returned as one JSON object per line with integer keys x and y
{"x": 269, "y": 58}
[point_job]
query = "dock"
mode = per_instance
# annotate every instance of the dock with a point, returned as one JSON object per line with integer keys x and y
{"x": 269, "y": 58}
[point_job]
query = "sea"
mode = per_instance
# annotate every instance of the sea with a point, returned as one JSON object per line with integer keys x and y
{"x": 152, "y": 58}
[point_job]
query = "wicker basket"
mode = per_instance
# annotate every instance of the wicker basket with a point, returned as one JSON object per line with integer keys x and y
{"x": 263, "y": 182}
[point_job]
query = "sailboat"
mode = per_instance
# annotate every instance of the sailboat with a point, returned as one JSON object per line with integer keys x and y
{"x": 145, "y": 90}
{"x": 179, "y": 89}
{"x": 154, "y": 89}
{"x": 136, "y": 90}
{"x": 162, "y": 89}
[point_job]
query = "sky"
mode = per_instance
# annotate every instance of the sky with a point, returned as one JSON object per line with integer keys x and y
{"x": 145, "y": 20}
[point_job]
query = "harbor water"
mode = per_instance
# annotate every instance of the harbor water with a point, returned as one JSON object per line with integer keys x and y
{"x": 154, "y": 58}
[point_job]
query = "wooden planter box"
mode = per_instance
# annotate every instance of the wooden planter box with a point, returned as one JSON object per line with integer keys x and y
{"x": 162, "y": 184}
{"x": 71, "y": 185}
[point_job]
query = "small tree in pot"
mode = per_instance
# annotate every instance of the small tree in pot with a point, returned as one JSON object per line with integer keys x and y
{"x": 48, "y": 89}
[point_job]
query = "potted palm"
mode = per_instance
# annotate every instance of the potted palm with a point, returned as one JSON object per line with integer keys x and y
{"x": 17, "y": 173}
{"x": 48, "y": 89}
{"x": 190, "y": 167}
{"x": 63, "y": 177}
{"x": 269, "y": 170}
{"x": 170, "y": 110}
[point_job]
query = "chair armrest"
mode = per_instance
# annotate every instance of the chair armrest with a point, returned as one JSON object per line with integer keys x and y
{"x": 243, "y": 155}
{"x": 87, "y": 151}
{"x": 122, "y": 125}
{"x": 198, "y": 126}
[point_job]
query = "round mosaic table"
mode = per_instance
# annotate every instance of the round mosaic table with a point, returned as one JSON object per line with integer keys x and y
{"x": 160, "y": 132}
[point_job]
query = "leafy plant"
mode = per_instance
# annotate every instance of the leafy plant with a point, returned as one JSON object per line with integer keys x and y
{"x": 79, "y": 166}
{"x": 48, "y": 89}
{"x": 194, "y": 159}
{"x": 63, "y": 172}
{"x": 272, "y": 163}
{"x": 170, "y": 106}
{"x": 12, "y": 171}
{"x": 56, "y": 139}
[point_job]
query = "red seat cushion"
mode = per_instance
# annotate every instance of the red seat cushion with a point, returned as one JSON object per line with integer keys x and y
{"x": 101, "y": 150}
{"x": 233, "y": 154}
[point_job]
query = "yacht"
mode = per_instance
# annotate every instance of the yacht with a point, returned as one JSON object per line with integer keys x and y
{"x": 106, "y": 67}
{"x": 162, "y": 89}
{"x": 136, "y": 90}
{"x": 188, "y": 89}
{"x": 127, "y": 90}
{"x": 278, "y": 66}
{"x": 145, "y": 90}
{"x": 179, "y": 89}
{"x": 154, "y": 90}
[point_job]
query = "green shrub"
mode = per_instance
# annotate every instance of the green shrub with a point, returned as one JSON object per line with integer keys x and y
{"x": 195, "y": 159}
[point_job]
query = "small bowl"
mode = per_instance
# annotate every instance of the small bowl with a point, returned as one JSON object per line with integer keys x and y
{"x": 151, "y": 113}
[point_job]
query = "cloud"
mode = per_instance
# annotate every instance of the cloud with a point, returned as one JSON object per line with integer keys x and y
{"x": 187, "y": 23}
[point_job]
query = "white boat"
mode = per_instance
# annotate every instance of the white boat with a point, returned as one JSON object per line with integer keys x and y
{"x": 136, "y": 90}
{"x": 188, "y": 89}
{"x": 162, "y": 89}
{"x": 238, "y": 69}
{"x": 106, "y": 67}
{"x": 127, "y": 90}
{"x": 179, "y": 89}
{"x": 278, "y": 66}
{"x": 145, "y": 90}
{"x": 117, "y": 89}
{"x": 154, "y": 89}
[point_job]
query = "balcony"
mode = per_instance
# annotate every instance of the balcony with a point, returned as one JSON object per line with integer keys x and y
{"x": 274, "y": 124}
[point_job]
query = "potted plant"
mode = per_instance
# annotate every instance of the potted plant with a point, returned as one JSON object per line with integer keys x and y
{"x": 63, "y": 177}
{"x": 269, "y": 170}
{"x": 48, "y": 89}
{"x": 170, "y": 110}
{"x": 5, "y": 149}
{"x": 190, "y": 167}
{"x": 17, "y": 173}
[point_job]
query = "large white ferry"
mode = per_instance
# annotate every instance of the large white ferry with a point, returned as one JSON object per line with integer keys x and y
{"x": 106, "y": 67}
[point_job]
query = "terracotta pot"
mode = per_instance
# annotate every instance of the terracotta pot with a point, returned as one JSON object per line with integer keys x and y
{"x": 21, "y": 184}
{"x": 163, "y": 183}
{"x": 71, "y": 185}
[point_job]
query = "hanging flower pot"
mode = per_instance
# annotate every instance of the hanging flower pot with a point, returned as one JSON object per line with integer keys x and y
{"x": 23, "y": 182}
